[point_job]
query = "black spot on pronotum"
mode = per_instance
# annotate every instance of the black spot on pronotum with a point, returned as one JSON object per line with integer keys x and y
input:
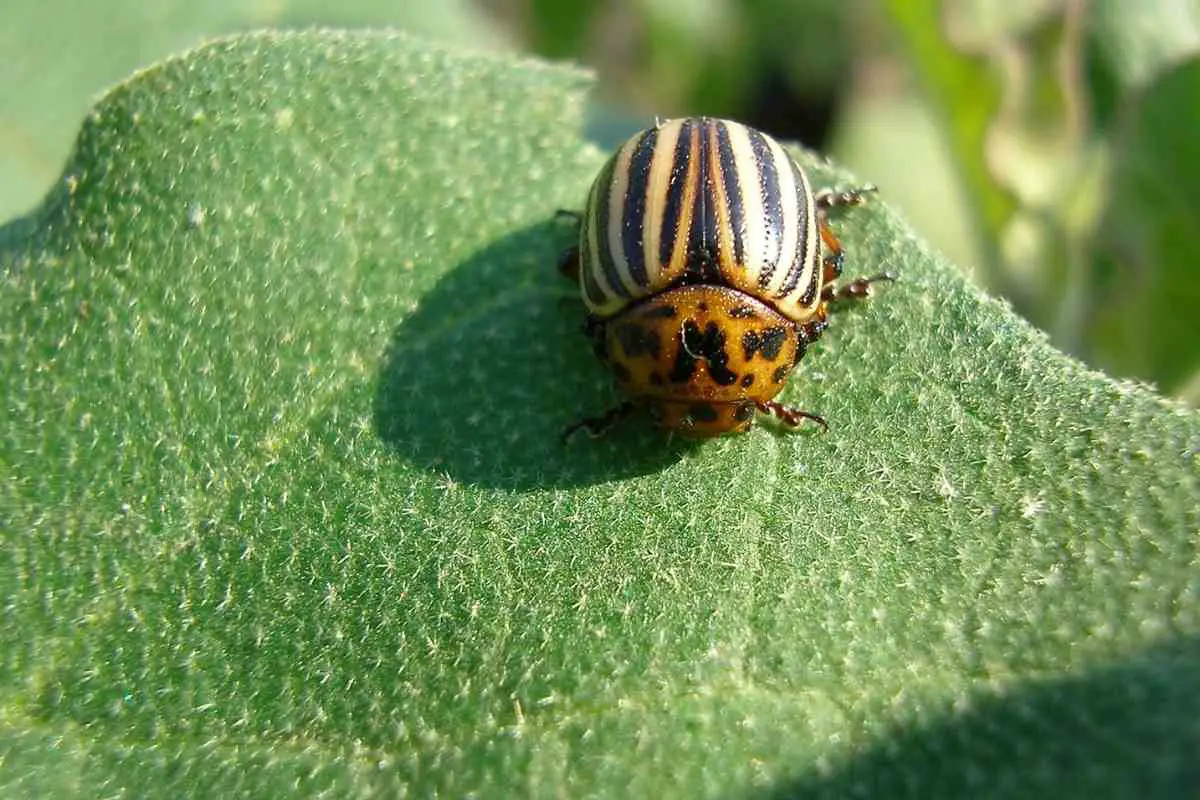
{"x": 779, "y": 374}
{"x": 660, "y": 311}
{"x": 656, "y": 378}
{"x": 769, "y": 342}
{"x": 621, "y": 372}
{"x": 743, "y": 312}
{"x": 749, "y": 344}
{"x": 685, "y": 359}
{"x": 637, "y": 340}
{"x": 703, "y": 412}
{"x": 747, "y": 380}
{"x": 708, "y": 345}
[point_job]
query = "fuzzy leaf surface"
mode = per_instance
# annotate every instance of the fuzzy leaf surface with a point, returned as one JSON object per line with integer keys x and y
{"x": 285, "y": 358}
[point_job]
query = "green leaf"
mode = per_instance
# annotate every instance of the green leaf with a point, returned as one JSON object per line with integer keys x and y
{"x": 285, "y": 360}
{"x": 1139, "y": 42}
{"x": 59, "y": 54}
{"x": 1146, "y": 323}
{"x": 1069, "y": 126}
{"x": 966, "y": 96}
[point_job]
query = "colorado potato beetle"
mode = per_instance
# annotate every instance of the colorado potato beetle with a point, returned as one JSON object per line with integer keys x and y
{"x": 707, "y": 266}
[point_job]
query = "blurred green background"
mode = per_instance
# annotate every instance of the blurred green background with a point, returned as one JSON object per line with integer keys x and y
{"x": 1049, "y": 147}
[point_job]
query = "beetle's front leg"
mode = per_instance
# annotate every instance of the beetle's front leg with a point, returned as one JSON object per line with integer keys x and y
{"x": 834, "y": 254}
{"x": 855, "y": 289}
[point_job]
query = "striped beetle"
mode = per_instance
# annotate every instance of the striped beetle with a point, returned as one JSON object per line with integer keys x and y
{"x": 700, "y": 261}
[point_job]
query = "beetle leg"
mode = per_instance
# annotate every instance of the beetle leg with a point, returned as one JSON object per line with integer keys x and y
{"x": 833, "y": 248}
{"x": 855, "y": 289}
{"x": 834, "y": 254}
{"x": 850, "y": 197}
{"x": 789, "y": 416}
{"x": 598, "y": 426}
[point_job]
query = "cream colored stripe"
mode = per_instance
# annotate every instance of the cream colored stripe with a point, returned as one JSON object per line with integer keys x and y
{"x": 812, "y": 268}
{"x": 591, "y": 264}
{"x": 684, "y": 228}
{"x": 755, "y": 238}
{"x": 789, "y": 209}
{"x": 616, "y": 213}
{"x": 657, "y": 188}
{"x": 811, "y": 239}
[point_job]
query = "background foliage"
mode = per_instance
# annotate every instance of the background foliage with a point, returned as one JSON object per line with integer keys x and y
{"x": 1046, "y": 144}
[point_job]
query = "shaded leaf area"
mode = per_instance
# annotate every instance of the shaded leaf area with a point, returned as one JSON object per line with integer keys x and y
{"x": 286, "y": 358}
{"x": 459, "y": 390}
{"x": 1111, "y": 732}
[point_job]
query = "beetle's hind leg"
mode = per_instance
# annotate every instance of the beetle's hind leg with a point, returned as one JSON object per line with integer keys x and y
{"x": 598, "y": 426}
{"x": 834, "y": 254}
{"x": 792, "y": 417}
{"x": 850, "y": 197}
{"x": 855, "y": 289}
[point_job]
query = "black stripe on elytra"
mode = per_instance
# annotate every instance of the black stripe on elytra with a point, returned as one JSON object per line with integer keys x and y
{"x": 702, "y": 265}
{"x": 594, "y": 295}
{"x": 817, "y": 277}
{"x": 734, "y": 206}
{"x": 814, "y": 285}
{"x": 590, "y": 287}
{"x": 602, "y": 221}
{"x": 772, "y": 199}
{"x": 675, "y": 191}
{"x": 802, "y": 234}
{"x": 633, "y": 232}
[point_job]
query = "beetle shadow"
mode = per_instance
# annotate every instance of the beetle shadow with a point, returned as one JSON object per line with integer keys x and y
{"x": 480, "y": 380}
